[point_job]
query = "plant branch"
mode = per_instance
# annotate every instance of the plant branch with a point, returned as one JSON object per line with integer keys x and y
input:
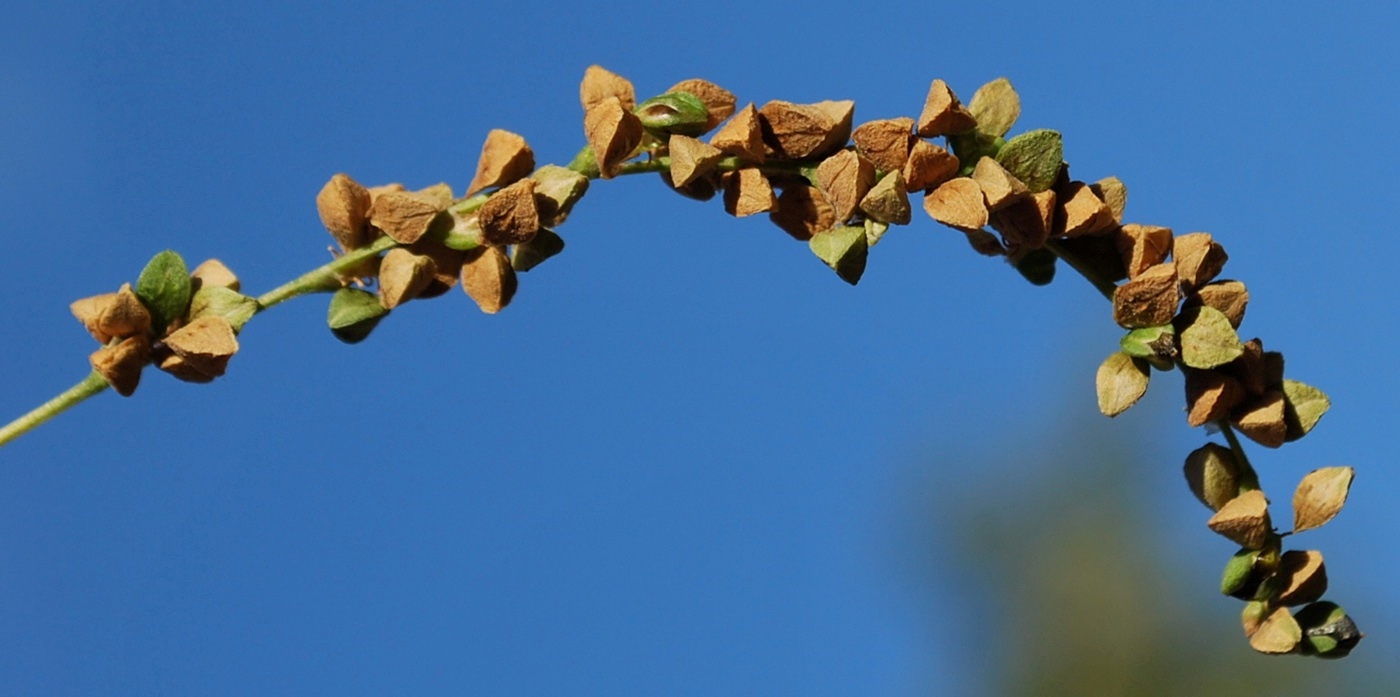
{"x": 90, "y": 385}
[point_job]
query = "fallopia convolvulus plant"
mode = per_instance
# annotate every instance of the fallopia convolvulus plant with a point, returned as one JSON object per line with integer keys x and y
{"x": 839, "y": 187}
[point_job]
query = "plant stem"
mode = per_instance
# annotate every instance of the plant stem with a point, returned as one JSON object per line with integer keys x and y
{"x": 90, "y": 385}
{"x": 1104, "y": 285}
{"x": 1249, "y": 479}
{"x": 323, "y": 278}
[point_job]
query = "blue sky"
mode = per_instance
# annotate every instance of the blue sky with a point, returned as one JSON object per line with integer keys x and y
{"x": 669, "y": 466}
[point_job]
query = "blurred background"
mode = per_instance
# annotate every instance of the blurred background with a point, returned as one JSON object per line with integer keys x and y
{"x": 688, "y": 459}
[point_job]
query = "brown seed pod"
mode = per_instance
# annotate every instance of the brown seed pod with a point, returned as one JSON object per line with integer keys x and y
{"x": 803, "y": 211}
{"x": 404, "y": 215}
{"x": 957, "y": 203}
{"x": 1026, "y": 224}
{"x": 719, "y": 102}
{"x": 886, "y": 142}
{"x": 742, "y": 136}
{"x": 1304, "y": 577}
{"x": 1120, "y": 382}
{"x": 120, "y": 364}
{"x": 998, "y": 186}
{"x": 1230, "y": 297}
{"x": 205, "y": 345}
{"x": 1199, "y": 259}
{"x": 943, "y": 114}
{"x": 119, "y": 314}
{"x": 888, "y": 201}
{"x": 1262, "y": 419}
{"x": 845, "y": 178}
{"x": 747, "y": 192}
{"x": 1211, "y": 396}
{"x": 798, "y": 131}
{"x": 505, "y": 157}
{"x": 1320, "y": 496}
{"x": 212, "y": 273}
{"x": 1081, "y": 212}
{"x": 928, "y": 166}
{"x": 1244, "y": 519}
{"x": 489, "y": 279}
{"x": 344, "y": 207}
{"x": 614, "y": 132}
{"x": 1149, "y": 300}
{"x": 1114, "y": 194}
{"x": 1278, "y": 633}
{"x": 511, "y": 215}
{"x": 402, "y": 276}
{"x": 1143, "y": 246}
{"x": 690, "y": 159}
{"x": 600, "y": 84}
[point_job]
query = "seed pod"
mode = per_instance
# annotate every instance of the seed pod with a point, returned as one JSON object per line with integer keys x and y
{"x": 544, "y": 245}
{"x": 487, "y": 277}
{"x": 1304, "y": 577}
{"x": 1304, "y": 406}
{"x": 1081, "y": 212}
{"x": 957, "y": 203}
{"x": 1155, "y": 344}
{"x": 600, "y": 84}
{"x": 164, "y": 287}
{"x": 943, "y": 114}
{"x": 557, "y": 189}
{"x": 352, "y": 315}
{"x": 719, "y": 102}
{"x": 998, "y": 186}
{"x": 217, "y": 301}
{"x": 1279, "y": 633}
{"x": 803, "y": 211}
{"x": 995, "y": 107}
{"x": 120, "y": 364}
{"x": 844, "y": 249}
{"x": 1213, "y": 475}
{"x": 742, "y": 136}
{"x": 1262, "y": 420}
{"x": 1328, "y": 631}
{"x": 1121, "y": 381}
{"x": 511, "y": 215}
{"x": 1034, "y": 157}
{"x": 505, "y": 158}
{"x": 212, "y": 273}
{"x": 845, "y": 178}
{"x": 885, "y": 143}
{"x": 1230, "y": 297}
{"x": 691, "y": 159}
{"x": 1244, "y": 519}
{"x": 1143, "y": 246}
{"x": 1320, "y": 497}
{"x": 1199, "y": 259}
{"x": 888, "y": 201}
{"x": 344, "y": 207}
{"x": 119, "y": 314}
{"x": 404, "y": 215}
{"x": 1240, "y": 579}
{"x": 614, "y": 133}
{"x": 747, "y": 192}
{"x": 1149, "y": 300}
{"x": 798, "y": 131}
{"x": 928, "y": 166}
{"x": 1211, "y": 396}
{"x": 1113, "y": 193}
{"x": 402, "y": 276}
{"x": 205, "y": 345}
{"x": 1207, "y": 339}
{"x": 447, "y": 266}
{"x": 1026, "y": 223}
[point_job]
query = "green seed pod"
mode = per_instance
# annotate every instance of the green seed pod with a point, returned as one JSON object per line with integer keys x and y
{"x": 1328, "y": 632}
{"x": 1037, "y": 265}
{"x": 677, "y": 112}
{"x": 353, "y": 314}
{"x": 1156, "y": 344}
{"x": 1240, "y": 580}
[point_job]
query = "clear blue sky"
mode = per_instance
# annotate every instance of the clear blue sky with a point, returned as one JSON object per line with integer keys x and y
{"x": 669, "y": 466}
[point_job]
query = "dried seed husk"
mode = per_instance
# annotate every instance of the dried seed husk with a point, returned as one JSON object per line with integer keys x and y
{"x": 1121, "y": 381}
{"x": 1213, "y": 474}
{"x": 802, "y": 211}
{"x": 205, "y": 344}
{"x": 885, "y": 142}
{"x": 1230, "y": 297}
{"x": 1262, "y": 420}
{"x": 995, "y": 107}
{"x": 557, "y": 189}
{"x": 1304, "y": 577}
{"x": 1026, "y": 223}
{"x": 600, "y": 84}
{"x": 1320, "y": 496}
{"x": 344, "y": 207}
{"x": 1279, "y": 633}
{"x": 888, "y": 201}
{"x": 1244, "y": 519}
{"x": 958, "y": 203}
{"x": 1149, "y": 300}
{"x": 404, "y": 215}
{"x": 998, "y": 186}
{"x": 1207, "y": 338}
{"x": 402, "y": 276}
{"x": 119, "y": 314}
{"x": 487, "y": 277}
{"x": 164, "y": 287}
{"x": 120, "y": 364}
{"x": 440, "y": 194}
{"x": 1211, "y": 396}
{"x": 613, "y": 132}
{"x": 1199, "y": 259}
{"x": 1328, "y": 631}
{"x": 719, "y": 102}
{"x": 1249, "y": 368}
{"x": 1081, "y": 212}
{"x": 217, "y": 301}
{"x": 844, "y": 249}
{"x": 544, "y": 245}
{"x": 510, "y": 216}
{"x": 690, "y": 159}
{"x": 747, "y": 192}
{"x": 943, "y": 114}
{"x": 928, "y": 166}
{"x": 352, "y": 315}
{"x": 1143, "y": 246}
{"x": 447, "y": 266}
{"x": 212, "y": 273}
{"x": 1303, "y": 408}
{"x": 845, "y": 178}
{"x": 505, "y": 158}
{"x": 1034, "y": 157}
{"x": 1113, "y": 193}
{"x": 742, "y": 136}
{"x": 798, "y": 131}
{"x": 377, "y": 191}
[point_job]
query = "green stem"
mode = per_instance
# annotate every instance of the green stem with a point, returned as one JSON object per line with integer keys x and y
{"x": 324, "y": 278}
{"x": 90, "y": 385}
{"x": 1249, "y": 479}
